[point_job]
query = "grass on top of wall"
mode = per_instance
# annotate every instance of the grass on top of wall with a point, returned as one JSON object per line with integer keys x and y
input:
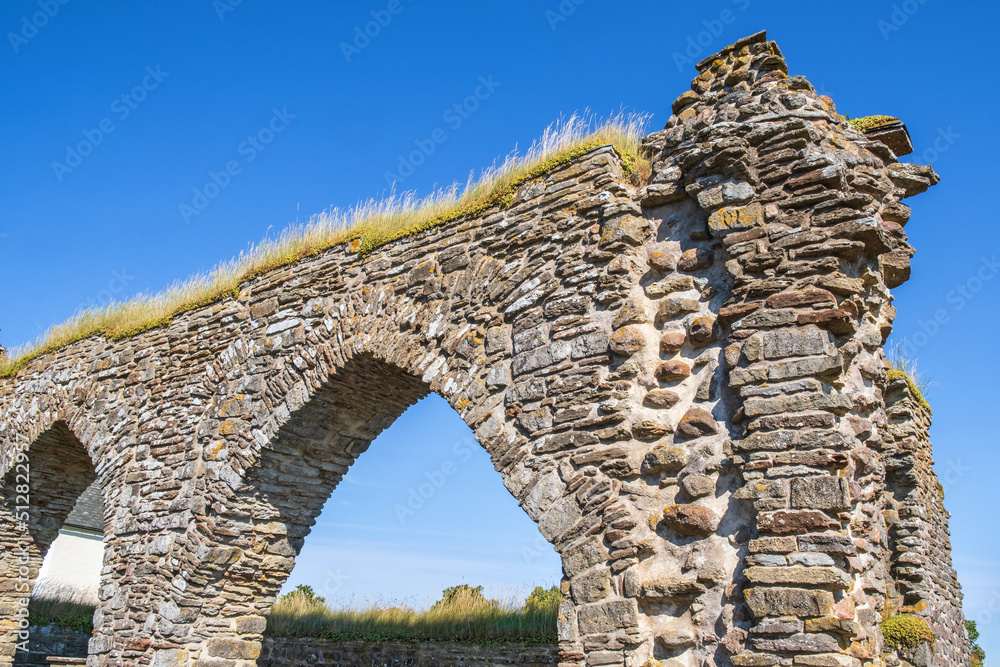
{"x": 463, "y": 615}
{"x": 906, "y": 368}
{"x": 369, "y": 225}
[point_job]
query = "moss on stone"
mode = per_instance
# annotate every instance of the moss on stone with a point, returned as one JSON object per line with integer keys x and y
{"x": 866, "y": 123}
{"x": 896, "y": 374}
{"x": 904, "y": 631}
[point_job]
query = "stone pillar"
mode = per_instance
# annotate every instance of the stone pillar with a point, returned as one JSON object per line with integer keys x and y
{"x": 804, "y": 210}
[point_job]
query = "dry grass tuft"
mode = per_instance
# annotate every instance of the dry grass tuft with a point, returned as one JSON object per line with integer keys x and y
{"x": 373, "y": 222}
{"x": 905, "y": 367}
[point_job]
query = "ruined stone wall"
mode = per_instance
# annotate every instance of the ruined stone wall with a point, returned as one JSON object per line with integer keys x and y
{"x": 51, "y": 640}
{"x": 310, "y": 652}
{"x": 924, "y": 583}
{"x": 680, "y": 379}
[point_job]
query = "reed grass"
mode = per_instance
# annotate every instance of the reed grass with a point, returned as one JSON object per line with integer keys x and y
{"x": 369, "y": 225}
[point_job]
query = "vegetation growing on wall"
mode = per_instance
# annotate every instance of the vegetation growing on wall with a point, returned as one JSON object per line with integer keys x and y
{"x": 906, "y": 368}
{"x": 366, "y": 227}
{"x": 463, "y": 614}
{"x": 904, "y": 631}
{"x": 871, "y": 122}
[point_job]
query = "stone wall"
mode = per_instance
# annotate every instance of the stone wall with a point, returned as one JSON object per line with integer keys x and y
{"x": 50, "y": 640}
{"x": 681, "y": 380}
{"x": 313, "y": 652}
{"x": 923, "y": 581}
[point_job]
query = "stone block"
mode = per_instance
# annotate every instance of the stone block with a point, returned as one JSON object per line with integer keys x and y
{"x": 736, "y": 219}
{"x": 583, "y": 556}
{"x": 821, "y": 493}
{"x": 591, "y": 587}
{"x": 766, "y": 601}
{"x": 235, "y": 649}
{"x": 608, "y": 616}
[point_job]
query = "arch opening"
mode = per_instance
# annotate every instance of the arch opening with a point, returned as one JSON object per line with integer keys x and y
{"x": 422, "y": 511}
{"x": 259, "y": 529}
{"x": 53, "y": 539}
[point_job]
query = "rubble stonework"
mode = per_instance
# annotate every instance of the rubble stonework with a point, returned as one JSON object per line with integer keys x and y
{"x": 682, "y": 382}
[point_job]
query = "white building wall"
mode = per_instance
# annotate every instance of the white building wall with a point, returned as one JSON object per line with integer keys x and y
{"x": 72, "y": 566}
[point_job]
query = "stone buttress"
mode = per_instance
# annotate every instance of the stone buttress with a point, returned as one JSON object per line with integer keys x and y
{"x": 680, "y": 378}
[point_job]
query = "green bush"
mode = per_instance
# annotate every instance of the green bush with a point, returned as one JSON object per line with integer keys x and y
{"x": 542, "y": 601}
{"x": 905, "y": 631}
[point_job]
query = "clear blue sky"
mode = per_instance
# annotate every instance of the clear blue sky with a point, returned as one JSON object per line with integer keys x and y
{"x": 335, "y": 121}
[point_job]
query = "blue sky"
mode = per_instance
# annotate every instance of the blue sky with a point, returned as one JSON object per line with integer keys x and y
{"x": 207, "y": 125}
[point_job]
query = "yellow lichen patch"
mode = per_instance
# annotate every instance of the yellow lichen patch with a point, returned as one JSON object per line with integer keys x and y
{"x": 226, "y": 428}
{"x": 871, "y": 122}
{"x": 214, "y": 449}
{"x": 462, "y": 403}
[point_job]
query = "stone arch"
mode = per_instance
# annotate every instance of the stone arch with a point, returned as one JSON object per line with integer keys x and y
{"x": 260, "y": 502}
{"x": 36, "y": 495}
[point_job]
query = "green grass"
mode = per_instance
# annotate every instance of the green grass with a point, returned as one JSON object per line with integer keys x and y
{"x": 464, "y": 617}
{"x": 366, "y": 226}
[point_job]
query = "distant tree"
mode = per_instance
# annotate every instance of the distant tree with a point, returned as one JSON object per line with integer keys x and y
{"x": 543, "y": 601}
{"x": 464, "y": 594}
{"x": 976, "y": 653}
{"x": 305, "y": 594}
